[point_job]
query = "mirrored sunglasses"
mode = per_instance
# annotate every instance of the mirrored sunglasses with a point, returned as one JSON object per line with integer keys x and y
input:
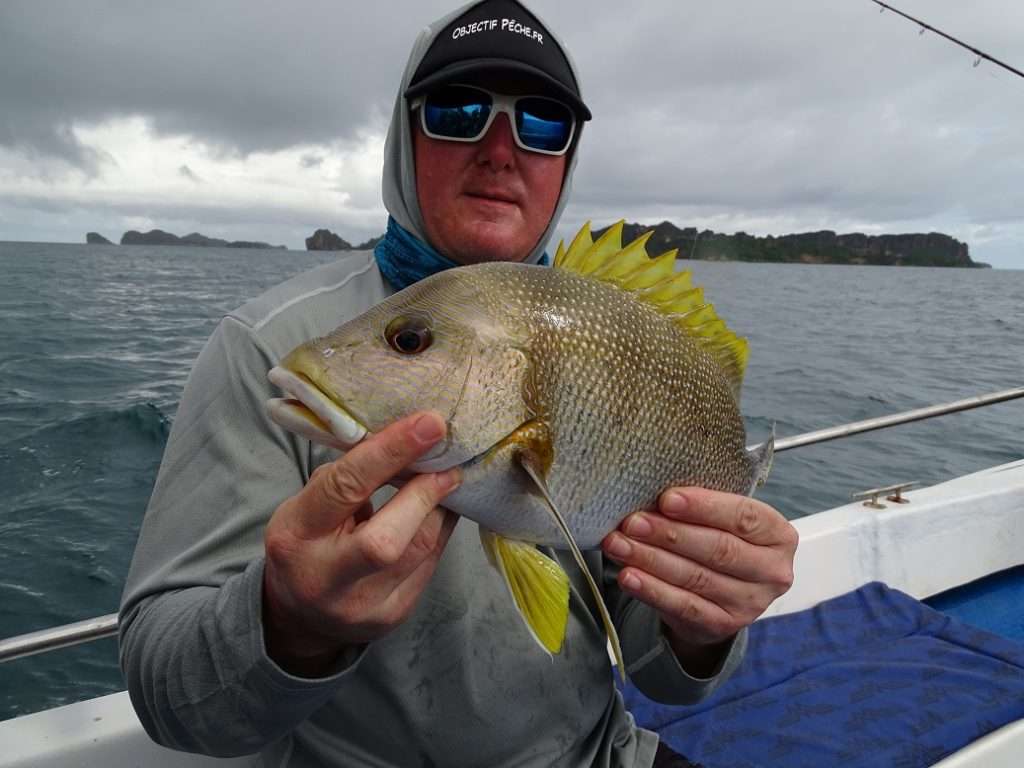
{"x": 465, "y": 112}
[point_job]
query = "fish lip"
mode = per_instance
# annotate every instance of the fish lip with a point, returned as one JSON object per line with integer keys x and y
{"x": 345, "y": 428}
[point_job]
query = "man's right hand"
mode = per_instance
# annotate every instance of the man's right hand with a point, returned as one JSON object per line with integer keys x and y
{"x": 338, "y": 574}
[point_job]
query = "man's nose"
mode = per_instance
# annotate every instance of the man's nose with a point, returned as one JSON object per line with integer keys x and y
{"x": 497, "y": 147}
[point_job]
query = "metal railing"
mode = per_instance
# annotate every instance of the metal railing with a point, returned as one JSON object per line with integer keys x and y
{"x": 106, "y": 626}
{"x": 881, "y": 422}
{"x": 58, "y": 637}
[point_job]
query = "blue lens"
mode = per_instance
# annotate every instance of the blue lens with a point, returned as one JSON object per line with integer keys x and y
{"x": 459, "y": 113}
{"x": 543, "y": 124}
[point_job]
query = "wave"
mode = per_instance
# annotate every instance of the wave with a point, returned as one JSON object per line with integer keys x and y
{"x": 143, "y": 420}
{"x": 67, "y": 455}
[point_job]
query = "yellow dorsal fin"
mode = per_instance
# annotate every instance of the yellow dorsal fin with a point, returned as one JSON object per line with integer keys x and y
{"x": 577, "y": 249}
{"x": 627, "y": 260}
{"x": 647, "y": 275}
{"x": 656, "y": 283}
{"x": 607, "y": 246}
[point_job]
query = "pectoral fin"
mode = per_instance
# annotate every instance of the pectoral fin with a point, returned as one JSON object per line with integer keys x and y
{"x": 532, "y": 462}
{"x": 539, "y": 587}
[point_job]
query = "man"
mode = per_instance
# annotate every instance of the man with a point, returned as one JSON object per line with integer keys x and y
{"x": 284, "y": 600}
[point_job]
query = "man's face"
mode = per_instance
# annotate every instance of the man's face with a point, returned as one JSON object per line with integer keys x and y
{"x": 488, "y": 200}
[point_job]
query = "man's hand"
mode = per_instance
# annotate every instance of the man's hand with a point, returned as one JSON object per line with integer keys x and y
{"x": 337, "y": 573}
{"x": 708, "y": 562}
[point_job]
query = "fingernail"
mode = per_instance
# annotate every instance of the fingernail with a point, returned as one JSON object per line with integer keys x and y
{"x": 674, "y": 504}
{"x": 630, "y": 581}
{"x": 428, "y": 429}
{"x": 639, "y": 525}
{"x": 619, "y": 546}
{"x": 450, "y": 480}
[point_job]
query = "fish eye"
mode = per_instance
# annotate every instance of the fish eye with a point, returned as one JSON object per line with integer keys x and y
{"x": 408, "y": 336}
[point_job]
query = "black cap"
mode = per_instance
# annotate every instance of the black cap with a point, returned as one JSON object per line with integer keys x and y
{"x": 498, "y": 37}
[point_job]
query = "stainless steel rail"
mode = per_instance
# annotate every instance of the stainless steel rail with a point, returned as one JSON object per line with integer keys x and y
{"x": 58, "y": 637}
{"x": 106, "y": 626}
{"x": 881, "y": 422}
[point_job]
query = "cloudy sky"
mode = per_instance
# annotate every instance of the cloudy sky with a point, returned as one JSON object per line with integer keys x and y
{"x": 266, "y": 120}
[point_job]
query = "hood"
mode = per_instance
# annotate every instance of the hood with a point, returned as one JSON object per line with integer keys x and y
{"x": 399, "y": 180}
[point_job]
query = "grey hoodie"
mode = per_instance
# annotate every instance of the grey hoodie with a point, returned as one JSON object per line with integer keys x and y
{"x": 459, "y": 683}
{"x": 399, "y": 181}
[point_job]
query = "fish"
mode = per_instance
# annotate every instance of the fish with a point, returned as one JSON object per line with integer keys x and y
{"x": 573, "y": 396}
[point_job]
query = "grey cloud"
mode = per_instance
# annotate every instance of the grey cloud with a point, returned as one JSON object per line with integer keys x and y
{"x": 791, "y": 113}
{"x": 239, "y": 75}
{"x": 189, "y": 174}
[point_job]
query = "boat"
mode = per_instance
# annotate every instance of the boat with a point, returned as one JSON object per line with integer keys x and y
{"x": 948, "y": 552}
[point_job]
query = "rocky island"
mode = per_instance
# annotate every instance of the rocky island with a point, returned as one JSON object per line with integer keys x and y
{"x": 159, "y": 237}
{"x": 932, "y": 249}
{"x": 325, "y": 240}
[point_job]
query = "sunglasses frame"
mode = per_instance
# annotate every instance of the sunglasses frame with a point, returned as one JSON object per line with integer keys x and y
{"x": 500, "y": 102}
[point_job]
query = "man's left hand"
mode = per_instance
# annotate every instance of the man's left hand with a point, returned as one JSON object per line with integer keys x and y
{"x": 709, "y": 562}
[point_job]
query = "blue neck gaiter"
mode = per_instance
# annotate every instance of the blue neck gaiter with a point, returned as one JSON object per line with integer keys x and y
{"x": 404, "y": 259}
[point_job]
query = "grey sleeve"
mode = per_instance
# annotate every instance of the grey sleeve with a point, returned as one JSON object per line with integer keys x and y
{"x": 191, "y": 632}
{"x": 651, "y": 665}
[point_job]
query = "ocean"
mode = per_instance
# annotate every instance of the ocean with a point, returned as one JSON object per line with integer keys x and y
{"x": 96, "y": 343}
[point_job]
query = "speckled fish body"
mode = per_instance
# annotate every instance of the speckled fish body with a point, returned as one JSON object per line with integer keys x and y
{"x": 573, "y": 396}
{"x": 628, "y": 401}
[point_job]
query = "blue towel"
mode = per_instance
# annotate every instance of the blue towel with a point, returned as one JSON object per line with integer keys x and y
{"x": 872, "y": 678}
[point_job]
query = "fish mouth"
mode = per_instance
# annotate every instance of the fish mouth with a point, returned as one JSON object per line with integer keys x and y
{"x": 311, "y": 412}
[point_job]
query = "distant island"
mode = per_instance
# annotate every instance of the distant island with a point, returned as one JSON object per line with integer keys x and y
{"x": 159, "y": 237}
{"x": 932, "y": 249}
{"x": 325, "y": 240}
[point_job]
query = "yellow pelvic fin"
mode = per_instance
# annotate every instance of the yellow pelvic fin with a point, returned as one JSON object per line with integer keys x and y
{"x": 535, "y": 460}
{"x": 539, "y": 587}
{"x": 656, "y": 283}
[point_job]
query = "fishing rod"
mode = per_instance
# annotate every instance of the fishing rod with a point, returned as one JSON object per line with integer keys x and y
{"x": 980, "y": 54}
{"x": 881, "y": 422}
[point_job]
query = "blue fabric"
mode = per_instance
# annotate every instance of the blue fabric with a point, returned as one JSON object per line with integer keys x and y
{"x": 994, "y": 603}
{"x": 870, "y": 679}
{"x": 404, "y": 259}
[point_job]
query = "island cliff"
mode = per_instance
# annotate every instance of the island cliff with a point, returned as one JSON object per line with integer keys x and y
{"x": 325, "y": 240}
{"x": 825, "y": 247}
{"x": 159, "y": 237}
{"x": 95, "y": 238}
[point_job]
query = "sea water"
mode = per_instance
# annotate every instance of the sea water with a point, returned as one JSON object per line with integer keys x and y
{"x": 96, "y": 343}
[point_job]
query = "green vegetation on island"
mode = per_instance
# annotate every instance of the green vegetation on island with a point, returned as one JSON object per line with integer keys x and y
{"x": 932, "y": 249}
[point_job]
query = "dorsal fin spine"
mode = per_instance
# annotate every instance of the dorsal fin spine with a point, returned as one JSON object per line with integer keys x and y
{"x": 656, "y": 283}
{"x": 604, "y": 248}
{"x": 559, "y": 254}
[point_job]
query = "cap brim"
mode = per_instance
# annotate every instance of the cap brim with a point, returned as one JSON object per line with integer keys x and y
{"x": 461, "y": 71}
